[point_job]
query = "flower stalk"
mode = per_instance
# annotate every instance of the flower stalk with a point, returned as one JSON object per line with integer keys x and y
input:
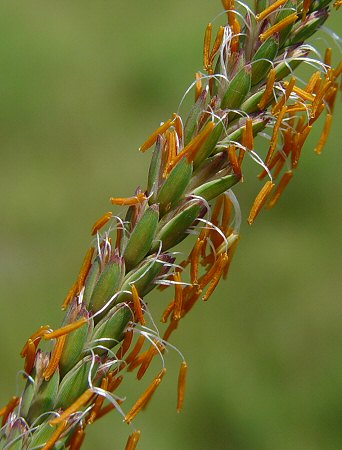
{"x": 73, "y": 372}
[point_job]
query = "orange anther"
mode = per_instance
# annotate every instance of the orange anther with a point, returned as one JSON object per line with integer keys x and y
{"x": 133, "y": 440}
{"x": 150, "y": 354}
{"x": 273, "y": 7}
{"x": 206, "y": 47}
{"x": 138, "y": 346}
{"x": 101, "y": 222}
{"x": 76, "y": 406}
{"x": 36, "y": 337}
{"x": 195, "y": 256}
{"x": 312, "y": 82}
{"x": 30, "y": 356}
{"x": 217, "y": 45}
{"x": 324, "y": 135}
{"x": 142, "y": 401}
{"x": 222, "y": 261}
{"x": 249, "y": 138}
{"x": 178, "y": 126}
{"x": 195, "y": 144}
{"x": 181, "y": 385}
{"x": 327, "y": 56}
{"x": 129, "y": 201}
{"x": 288, "y": 90}
{"x": 191, "y": 299}
{"x": 137, "y": 306}
{"x": 303, "y": 94}
{"x": 77, "y": 439}
{"x": 153, "y": 138}
{"x": 55, "y": 357}
{"x": 275, "y": 135}
{"x": 306, "y": 7}
{"x": 198, "y": 87}
{"x": 233, "y": 159}
{"x": 65, "y": 330}
{"x": 171, "y": 142}
{"x": 167, "y": 312}
{"x": 319, "y": 100}
{"x": 6, "y": 410}
{"x": 85, "y": 268}
{"x": 56, "y": 435}
{"x": 98, "y": 402}
{"x": 268, "y": 90}
{"x": 206, "y": 278}
{"x": 126, "y": 343}
{"x": 298, "y": 143}
{"x": 70, "y": 295}
{"x": 113, "y": 381}
{"x": 280, "y": 188}
{"x": 178, "y": 296}
{"x": 170, "y": 329}
{"x": 278, "y": 26}
{"x": 260, "y": 201}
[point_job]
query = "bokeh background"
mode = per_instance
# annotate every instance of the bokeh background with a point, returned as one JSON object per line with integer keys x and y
{"x": 82, "y": 84}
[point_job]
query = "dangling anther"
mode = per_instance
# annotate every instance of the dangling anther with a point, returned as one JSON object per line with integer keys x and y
{"x": 85, "y": 269}
{"x": 222, "y": 261}
{"x": 70, "y": 296}
{"x": 56, "y": 435}
{"x": 55, "y": 357}
{"x": 98, "y": 403}
{"x": 306, "y": 7}
{"x": 150, "y": 354}
{"x": 233, "y": 159}
{"x": 181, "y": 385}
{"x": 260, "y": 201}
{"x": 275, "y": 135}
{"x": 77, "y": 439}
{"x": 217, "y": 45}
{"x": 312, "y": 82}
{"x": 126, "y": 343}
{"x": 30, "y": 357}
{"x": 153, "y": 138}
{"x": 35, "y": 338}
{"x": 170, "y": 329}
{"x": 324, "y": 135}
{"x": 136, "y": 349}
{"x": 129, "y": 201}
{"x": 249, "y": 138}
{"x": 195, "y": 144}
{"x": 198, "y": 87}
{"x": 133, "y": 440}
{"x": 273, "y": 7}
{"x": 178, "y": 296}
{"x": 178, "y": 126}
{"x": 327, "y": 56}
{"x": 206, "y": 47}
{"x": 65, "y": 330}
{"x": 6, "y": 410}
{"x": 280, "y": 188}
{"x": 278, "y": 26}
{"x": 141, "y": 402}
{"x": 101, "y": 222}
{"x": 288, "y": 90}
{"x": 137, "y": 306}
{"x": 268, "y": 90}
{"x": 76, "y": 406}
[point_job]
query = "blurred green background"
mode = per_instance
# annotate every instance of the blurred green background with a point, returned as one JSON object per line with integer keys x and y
{"x": 82, "y": 84}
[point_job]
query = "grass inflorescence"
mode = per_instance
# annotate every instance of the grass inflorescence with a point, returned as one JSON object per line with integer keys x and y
{"x": 248, "y": 87}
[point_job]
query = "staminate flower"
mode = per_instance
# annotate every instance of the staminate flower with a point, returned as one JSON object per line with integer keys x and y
{"x": 248, "y": 87}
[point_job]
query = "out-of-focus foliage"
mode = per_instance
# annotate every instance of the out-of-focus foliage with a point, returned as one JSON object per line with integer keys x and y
{"x": 81, "y": 86}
